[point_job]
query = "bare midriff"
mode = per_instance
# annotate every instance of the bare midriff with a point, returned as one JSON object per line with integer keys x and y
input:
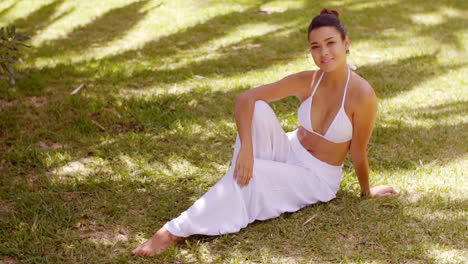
{"x": 322, "y": 149}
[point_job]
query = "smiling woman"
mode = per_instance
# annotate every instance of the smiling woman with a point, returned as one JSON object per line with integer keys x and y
{"x": 274, "y": 172}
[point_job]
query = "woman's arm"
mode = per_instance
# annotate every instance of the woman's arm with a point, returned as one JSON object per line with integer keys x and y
{"x": 295, "y": 84}
{"x": 364, "y": 120}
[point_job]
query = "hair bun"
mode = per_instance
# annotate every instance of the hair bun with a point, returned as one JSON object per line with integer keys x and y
{"x": 330, "y": 12}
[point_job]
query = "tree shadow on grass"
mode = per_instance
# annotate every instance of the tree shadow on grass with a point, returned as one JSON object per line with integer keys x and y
{"x": 399, "y": 146}
{"x": 249, "y": 54}
{"x": 442, "y": 111}
{"x": 336, "y": 232}
{"x": 108, "y": 216}
{"x": 71, "y": 218}
{"x": 103, "y": 29}
{"x": 7, "y": 9}
{"x": 40, "y": 18}
{"x": 447, "y": 37}
{"x": 126, "y": 202}
{"x": 390, "y": 78}
{"x": 108, "y": 204}
{"x": 197, "y": 127}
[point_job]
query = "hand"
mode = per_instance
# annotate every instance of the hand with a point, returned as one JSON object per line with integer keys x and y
{"x": 382, "y": 191}
{"x": 244, "y": 167}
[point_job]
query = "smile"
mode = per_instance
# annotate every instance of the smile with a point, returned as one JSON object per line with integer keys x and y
{"x": 326, "y": 61}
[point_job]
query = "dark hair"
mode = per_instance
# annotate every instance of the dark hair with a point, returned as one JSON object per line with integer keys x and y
{"x": 327, "y": 18}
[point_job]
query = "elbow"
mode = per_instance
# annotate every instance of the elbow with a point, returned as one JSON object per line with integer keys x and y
{"x": 242, "y": 98}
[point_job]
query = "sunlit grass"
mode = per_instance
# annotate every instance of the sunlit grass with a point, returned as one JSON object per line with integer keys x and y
{"x": 87, "y": 177}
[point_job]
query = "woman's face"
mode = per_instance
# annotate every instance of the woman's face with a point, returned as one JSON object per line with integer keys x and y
{"x": 327, "y": 48}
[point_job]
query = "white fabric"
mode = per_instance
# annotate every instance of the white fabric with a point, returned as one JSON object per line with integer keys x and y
{"x": 286, "y": 177}
{"x": 340, "y": 129}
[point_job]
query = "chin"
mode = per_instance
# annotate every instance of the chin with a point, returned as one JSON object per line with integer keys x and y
{"x": 330, "y": 67}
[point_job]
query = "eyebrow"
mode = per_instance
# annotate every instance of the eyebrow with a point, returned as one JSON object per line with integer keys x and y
{"x": 324, "y": 40}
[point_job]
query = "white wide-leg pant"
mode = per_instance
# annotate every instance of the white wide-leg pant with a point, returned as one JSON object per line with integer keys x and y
{"x": 286, "y": 177}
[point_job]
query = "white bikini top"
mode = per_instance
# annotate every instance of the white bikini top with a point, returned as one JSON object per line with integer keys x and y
{"x": 340, "y": 129}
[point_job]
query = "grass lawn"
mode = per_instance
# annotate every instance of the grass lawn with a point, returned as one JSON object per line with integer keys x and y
{"x": 85, "y": 178}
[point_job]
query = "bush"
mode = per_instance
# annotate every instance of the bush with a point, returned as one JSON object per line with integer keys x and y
{"x": 10, "y": 41}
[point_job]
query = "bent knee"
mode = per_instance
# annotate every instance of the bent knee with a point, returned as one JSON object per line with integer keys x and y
{"x": 262, "y": 108}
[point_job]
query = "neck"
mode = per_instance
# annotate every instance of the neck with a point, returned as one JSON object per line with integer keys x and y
{"x": 337, "y": 78}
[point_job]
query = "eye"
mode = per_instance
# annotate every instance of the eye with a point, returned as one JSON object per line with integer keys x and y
{"x": 331, "y": 43}
{"x": 314, "y": 47}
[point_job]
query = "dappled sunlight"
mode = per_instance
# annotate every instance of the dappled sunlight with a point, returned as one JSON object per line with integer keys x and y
{"x": 161, "y": 19}
{"x": 444, "y": 254}
{"x": 401, "y": 45}
{"x": 82, "y": 13}
{"x": 91, "y": 175}
{"x": 234, "y": 37}
{"x": 281, "y": 5}
{"x": 437, "y": 100}
{"x": 80, "y": 169}
{"x": 425, "y": 114}
{"x": 105, "y": 237}
{"x": 361, "y": 5}
{"x": 438, "y": 16}
{"x": 201, "y": 253}
{"x": 19, "y": 9}
{"x": 428, "y": 18}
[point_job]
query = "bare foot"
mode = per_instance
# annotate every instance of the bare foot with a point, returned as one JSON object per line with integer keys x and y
{"x": 160, "y": 241}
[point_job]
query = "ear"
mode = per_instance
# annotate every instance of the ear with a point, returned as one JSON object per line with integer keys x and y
{"x": 346, "y": 43}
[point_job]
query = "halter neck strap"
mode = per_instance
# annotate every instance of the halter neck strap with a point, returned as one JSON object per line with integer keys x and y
{"x": 346, "y": 87}
{"x": 317, "y": 84}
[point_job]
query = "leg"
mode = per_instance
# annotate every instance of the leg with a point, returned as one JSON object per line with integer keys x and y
{"x": 224, "y": 208}
{"x": 160, "y": 241}
{"x": 268, "y": 137}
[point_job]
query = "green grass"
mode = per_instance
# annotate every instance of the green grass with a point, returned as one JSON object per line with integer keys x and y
{"x": 85, "y": 178}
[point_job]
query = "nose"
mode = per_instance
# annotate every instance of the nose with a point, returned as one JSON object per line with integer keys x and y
{"x": 324, "y": 51}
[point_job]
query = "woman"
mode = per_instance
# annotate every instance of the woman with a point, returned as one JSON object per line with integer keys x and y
{"x": 273, "y": 172}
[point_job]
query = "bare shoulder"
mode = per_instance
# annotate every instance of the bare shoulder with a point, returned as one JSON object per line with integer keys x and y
{"x": 302, "y": 80}
{"x": 361, "y": 91}
{"x": 292, "y": 85}
{"x": 304, "y": 77}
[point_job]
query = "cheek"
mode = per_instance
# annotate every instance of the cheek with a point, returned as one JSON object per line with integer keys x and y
{"x": 315, "y": 53}
{"x": 315, "y": 56}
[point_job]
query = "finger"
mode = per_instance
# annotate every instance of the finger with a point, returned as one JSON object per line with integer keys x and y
{"x": 239, "y": 176}
{"x": 244, "y": 176}
{"x": 250, "y": 176}
{"x": 390, "y": 190}
{"x": 383, "y": 194}
{"x": 235, "y": 172}
{"x": 247, "y": 178}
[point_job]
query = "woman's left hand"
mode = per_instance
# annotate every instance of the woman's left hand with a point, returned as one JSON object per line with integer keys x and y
{"x": 382, "y": 191}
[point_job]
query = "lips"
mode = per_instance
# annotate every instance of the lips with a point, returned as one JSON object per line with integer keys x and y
{"x": 326, "y": 61}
